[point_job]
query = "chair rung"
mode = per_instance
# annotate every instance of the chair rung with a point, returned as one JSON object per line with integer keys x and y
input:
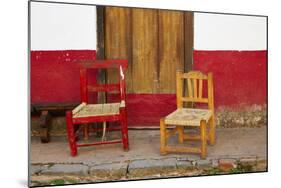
{"x": 178, "y": 149}
{"x": 193, "y": 137}
{"x": 191, "y": 99}
{"x": 107, "y": 129}
{"x": 194, "y": 75}
{"x": 104, "y": 87}
{"x": 110, "y": 118}
{"x": 100, "y": 143}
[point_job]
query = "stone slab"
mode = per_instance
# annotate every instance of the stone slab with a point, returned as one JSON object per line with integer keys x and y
{"x": 113, "y": 171}
{"x": 146, "y": 167}
{"x": 67, "y": 169}
{"x": 186, "y": 165}
{"x": 36, "y": 169}
{"x": 204, "y": 163}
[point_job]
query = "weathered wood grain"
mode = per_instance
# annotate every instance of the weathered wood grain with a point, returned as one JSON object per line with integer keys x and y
{"x": 145, "y": 50}
{"x": 100, "y": 50}
{"x": 157, "y": 43}
{"x": 188, "y": 40}
{"x": 118, "y": 41}
{"x": 171, "y": 48}
{"x": 100, "y": 32}
{"x": 188, "y": 46}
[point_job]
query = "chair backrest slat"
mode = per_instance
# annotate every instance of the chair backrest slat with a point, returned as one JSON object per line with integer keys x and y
{"x": 188, "y": 99}
{"x": 190, "y": 92}
{"x": 200, "y": 88}
{"x": 195, "y": 88}
{"x": 120, "y": 65}
{"x": 195, "y": 80}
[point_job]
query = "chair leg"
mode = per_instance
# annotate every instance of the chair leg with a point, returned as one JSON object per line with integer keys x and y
{"x": 71, "y": 134}
{"x": 162, "y": 137}
{"x": 212, "y": 132}
{"x": 203, "y": 139}
{"x": 126, "y": 133}
{"x": 124, "y": 129}
{"x": 180, "y": 131}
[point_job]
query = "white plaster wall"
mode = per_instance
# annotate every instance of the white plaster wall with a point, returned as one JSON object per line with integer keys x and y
{"x": 62, "y": 26}
{"x": 65, "y": 26}
{"x": 229, "y": 32}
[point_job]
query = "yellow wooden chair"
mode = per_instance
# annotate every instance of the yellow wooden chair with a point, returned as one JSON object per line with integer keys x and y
{"x": 183, "y": 117}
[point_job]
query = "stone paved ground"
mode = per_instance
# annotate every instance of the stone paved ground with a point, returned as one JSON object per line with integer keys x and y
{"x": 236, "y": 150}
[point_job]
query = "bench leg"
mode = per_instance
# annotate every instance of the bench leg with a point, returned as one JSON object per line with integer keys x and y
{"x": 86, "y": 131}
{"x": 71, "y": 134}
{"x": 45, "y": 120}
{"x": 162, "y": 137}
{"x": 203, "y": 139}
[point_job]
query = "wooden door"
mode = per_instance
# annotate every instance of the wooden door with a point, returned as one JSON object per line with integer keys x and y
{"x": 157, "y": 43}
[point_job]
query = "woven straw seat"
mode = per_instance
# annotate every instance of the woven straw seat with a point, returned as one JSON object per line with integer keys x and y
{"x": 188, "y": 116}
{"x": 89, "y": 110}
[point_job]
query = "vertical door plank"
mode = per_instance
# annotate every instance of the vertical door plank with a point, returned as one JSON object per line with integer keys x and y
{"x": 188, "y": 41}
{"x": 101, "y": 49}
{"x": 145, "y": 50}
{"x": 156, "y": 43}
{"x": 118, "y": 41}
{"x": 188, "y": 45}
{"x": 100, "y": 32}
{"x": 171, "y": 48}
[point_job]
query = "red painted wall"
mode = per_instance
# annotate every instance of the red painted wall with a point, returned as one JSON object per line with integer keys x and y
{"x": 147, "y": 109}
{"x": 240, "y": 77}
{"x": 54, "y": 75}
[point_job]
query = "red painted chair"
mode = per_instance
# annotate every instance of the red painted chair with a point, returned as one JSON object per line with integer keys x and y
{"x": 109, "y": 112}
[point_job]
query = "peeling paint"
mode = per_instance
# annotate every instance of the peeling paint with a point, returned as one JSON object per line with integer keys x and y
{"x": 249, "y": 116}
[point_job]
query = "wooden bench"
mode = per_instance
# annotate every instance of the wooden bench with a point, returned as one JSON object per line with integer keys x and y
{"x": 46, "y": 112}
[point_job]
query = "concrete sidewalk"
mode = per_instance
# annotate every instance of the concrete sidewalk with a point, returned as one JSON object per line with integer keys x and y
{"x": 235, "y": 148}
